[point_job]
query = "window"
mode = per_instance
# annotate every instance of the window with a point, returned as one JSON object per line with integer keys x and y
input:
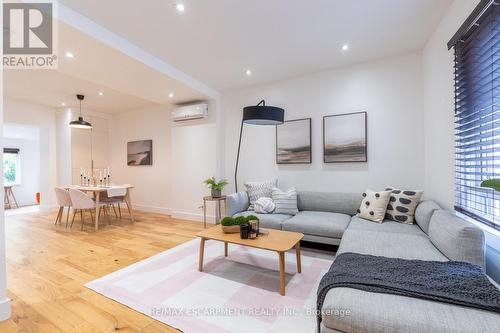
{"x": 11, "y": 166}
{"x": 477, "y": 113}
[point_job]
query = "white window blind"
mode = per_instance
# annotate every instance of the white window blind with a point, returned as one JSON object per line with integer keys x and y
{"x": 477, "y": 114}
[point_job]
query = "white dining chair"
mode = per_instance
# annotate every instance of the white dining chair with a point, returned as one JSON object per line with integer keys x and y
{"x": 63, "y": 201}
{"x": 116, "y": 195}
{"x": 81, "y": 203}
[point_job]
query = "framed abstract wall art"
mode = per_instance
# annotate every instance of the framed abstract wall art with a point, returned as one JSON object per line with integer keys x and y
{"x": 293, "y": 142}
{"x": 345, "y": 138}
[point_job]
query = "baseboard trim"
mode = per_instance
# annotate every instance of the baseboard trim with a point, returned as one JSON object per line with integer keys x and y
{"x": 5, "y": 309}
{"x": 48, "y": 208}
{"x": 192, "y": 216}
{"x": 152, "y": 209}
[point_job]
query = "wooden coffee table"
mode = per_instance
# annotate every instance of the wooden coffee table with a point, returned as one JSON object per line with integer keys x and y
{"x": 277, "y": 240}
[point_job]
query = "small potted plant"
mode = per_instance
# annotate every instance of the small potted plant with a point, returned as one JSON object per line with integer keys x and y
{"x": 231, "y": 225}
{"x": 216, "y": 186}
{"x": 492, "y": 183}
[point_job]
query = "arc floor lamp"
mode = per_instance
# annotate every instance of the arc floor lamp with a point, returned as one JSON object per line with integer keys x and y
{"x": 260, "y": 114}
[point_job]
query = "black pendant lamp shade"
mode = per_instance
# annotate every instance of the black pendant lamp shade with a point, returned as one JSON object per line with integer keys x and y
{"x": 80, "y": 123}
{"x": 262, "y": 114}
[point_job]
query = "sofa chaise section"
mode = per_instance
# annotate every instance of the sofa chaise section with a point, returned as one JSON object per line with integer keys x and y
{"x": 378, "y": 312}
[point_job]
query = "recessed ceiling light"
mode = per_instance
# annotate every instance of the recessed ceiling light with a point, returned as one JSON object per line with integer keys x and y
{"x": 171, "y": 95}
{"x": 63, "y": 104}
{"x": 101, "y": 93}
{"x": 248, "y": 72}
{"x": 345, "y": 47}
{"x": 180, "y": 7}
{"x": 69, "y": 55}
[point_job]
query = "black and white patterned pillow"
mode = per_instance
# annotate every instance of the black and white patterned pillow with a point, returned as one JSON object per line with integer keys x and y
{"x": 374, "y": 205}
{"x": 258, "y": 190}
{"x": 402, "y": 205}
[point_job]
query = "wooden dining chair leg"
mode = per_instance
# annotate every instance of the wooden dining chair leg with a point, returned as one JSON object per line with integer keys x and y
{"x": 129, "y": 211}
{"x": 67, "y": 217}
{"x": 114, "y": 209}
{"x": 91, "y": 215}
{"x": 58, "y": 217}
{"x": 73, "y": 219}
{"x": 81, "y": 216}
{"x": 119, "y": 210}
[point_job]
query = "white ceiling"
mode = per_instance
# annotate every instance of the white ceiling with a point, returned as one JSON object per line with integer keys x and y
{"x": 127, "y": 84}
{"x": 216, "y": 41}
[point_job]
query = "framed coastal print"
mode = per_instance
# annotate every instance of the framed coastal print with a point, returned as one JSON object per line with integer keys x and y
{"x": 140, "y": 152}
{"x": 293, "y": 142}
{"x": 344, "y": 138}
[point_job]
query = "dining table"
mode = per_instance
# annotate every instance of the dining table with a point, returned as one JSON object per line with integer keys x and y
{"x": 96, "y": 192}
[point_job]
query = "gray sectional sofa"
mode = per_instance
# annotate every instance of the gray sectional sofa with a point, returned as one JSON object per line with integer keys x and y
{"x": 437, "y": 235}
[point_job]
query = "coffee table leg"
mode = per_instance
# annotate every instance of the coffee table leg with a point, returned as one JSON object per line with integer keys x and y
{"x": 282, "y": 273}
{"x": 202, "y": 249}
{"x": 225, "y": 249}
{"x": 297, "y": 252}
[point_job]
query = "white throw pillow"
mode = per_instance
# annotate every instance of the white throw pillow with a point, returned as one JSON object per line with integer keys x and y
{"x": 374, "y": 205}
{"x": 258, "y": 190}
{"x": 264, "y": 205}
{"x": 285, "y": 201}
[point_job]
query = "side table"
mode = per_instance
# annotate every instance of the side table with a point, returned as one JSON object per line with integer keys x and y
{"x": 218, "y": 211}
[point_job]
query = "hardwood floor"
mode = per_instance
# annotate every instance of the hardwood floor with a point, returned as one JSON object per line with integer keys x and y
{"x": 48, "y": 265}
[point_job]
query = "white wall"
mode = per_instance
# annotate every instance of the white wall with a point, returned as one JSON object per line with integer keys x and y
{"x": 152, "y": 184}
{"x": 29, "y": 153}
{"x": 389, "y": 90}
{"x": 439, "y": 106}
{"x": 44, "y": 118}
{"x": 184, "y": 154}
{"x": 194, "y": 159}
{"x": 63, "y": 139}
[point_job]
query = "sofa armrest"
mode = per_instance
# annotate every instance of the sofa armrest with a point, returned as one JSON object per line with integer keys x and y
{"x": 237, "y": 203}
{"x": 456, "y": 238}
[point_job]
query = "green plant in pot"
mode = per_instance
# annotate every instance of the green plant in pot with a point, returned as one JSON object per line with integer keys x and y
{"x": 492, "y": 183}
{"x": 231, "y": 225}
{"x": 216, "y": 186}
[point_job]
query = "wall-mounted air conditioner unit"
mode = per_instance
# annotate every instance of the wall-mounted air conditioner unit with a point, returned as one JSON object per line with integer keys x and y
{"x": 189, "y": 112}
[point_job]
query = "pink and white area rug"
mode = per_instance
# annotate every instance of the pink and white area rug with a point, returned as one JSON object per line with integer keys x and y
{"x": 238, "y": 294}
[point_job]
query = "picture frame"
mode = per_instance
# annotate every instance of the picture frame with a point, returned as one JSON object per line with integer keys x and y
{"x": 345, "y": 138}
{"x": 140, "y": 153}
{"x": 294, "y": 142}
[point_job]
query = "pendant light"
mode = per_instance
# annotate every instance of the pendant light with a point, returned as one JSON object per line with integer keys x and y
{"x": 80, "y": 123}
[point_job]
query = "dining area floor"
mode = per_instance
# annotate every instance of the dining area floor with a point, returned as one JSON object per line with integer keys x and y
{"x": 48, "y": 265}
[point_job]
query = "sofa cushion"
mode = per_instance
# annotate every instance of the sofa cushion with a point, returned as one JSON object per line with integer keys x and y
{"x": 424, "y": 212}
{"x": 318, "y": 223}
{"x": 236, "y": 203}
{"x": 393, "y": 240}
{"x": 345, "y": 203}
{"x": 387, "y": 226}
{"x": 381, "y": 313}
{"x": 273, "y": 221}
{"x": 456, "y": 238}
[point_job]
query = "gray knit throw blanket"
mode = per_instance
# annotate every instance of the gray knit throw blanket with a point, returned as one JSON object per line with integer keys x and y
{"x": 453, "y": 282}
